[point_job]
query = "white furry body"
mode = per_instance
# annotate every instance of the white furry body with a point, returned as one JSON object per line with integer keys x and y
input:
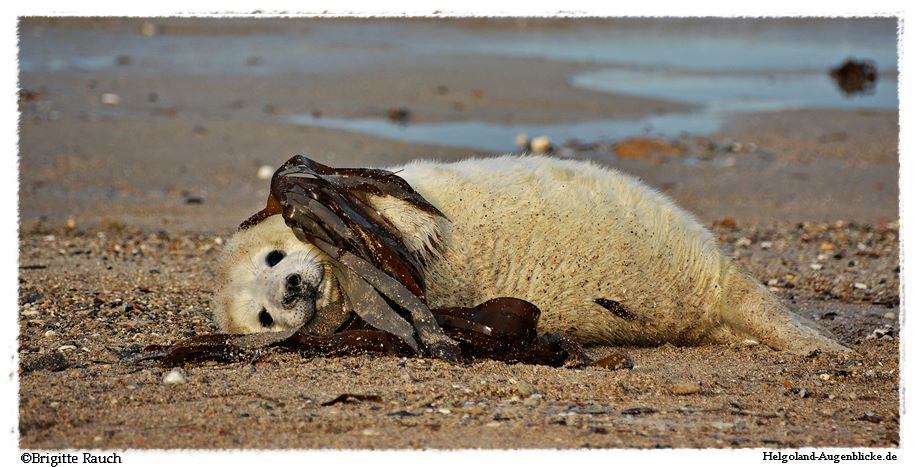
{"x": 563, "y": 233}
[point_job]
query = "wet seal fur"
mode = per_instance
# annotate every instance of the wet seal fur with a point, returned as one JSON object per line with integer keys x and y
{"x": 607, "y": 259}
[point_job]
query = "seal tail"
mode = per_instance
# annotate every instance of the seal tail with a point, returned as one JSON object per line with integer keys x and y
{"x": 750, "y": 308}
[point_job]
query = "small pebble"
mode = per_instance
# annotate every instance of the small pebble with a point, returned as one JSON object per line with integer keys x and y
{"x": 110, "y": 99}
{"x": 743, "y": 242}
{"x": 533, "y": 400}
{"x": 765, "y": 245}
{"x": 473, "y": 410}
{"x": 369, "y": 432}
{"x": 174, "y": 377}
{"x": 524, "y": 389}
{"x": 149, "y": 29}
{"x": 881, "y": 333}
{"x": 815, "y": 266}
{"x": 727, "y": 222}
{"x": 684, "y": 389}
{"x": 52, "y": 362}
{"x": 265, "y": 172}
{"x": 541, "y": 145}
{"x": 890, "y": 316}
{"x": 617, "y": 361}
{"x": 721, "y": 425}
{"x": 860, "y": 285}
{"x": 825, "y": 376}
{"x": 399, "y": 115}
{"x": 522, "y": 140}
{"x": 65, "y": 348}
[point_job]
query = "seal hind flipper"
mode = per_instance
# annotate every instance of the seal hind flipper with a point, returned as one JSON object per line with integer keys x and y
{"x": 751, "y": 309}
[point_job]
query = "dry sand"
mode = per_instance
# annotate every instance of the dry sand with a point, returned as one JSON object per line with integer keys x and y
{"x": 153, "y": 193}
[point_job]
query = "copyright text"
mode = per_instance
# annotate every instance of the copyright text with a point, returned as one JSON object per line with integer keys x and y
{"x": 55, "y": 460}
{"x": 824, "y": 456}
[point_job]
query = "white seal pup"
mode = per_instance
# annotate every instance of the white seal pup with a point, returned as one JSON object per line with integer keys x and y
{"x": 607, "y": 259}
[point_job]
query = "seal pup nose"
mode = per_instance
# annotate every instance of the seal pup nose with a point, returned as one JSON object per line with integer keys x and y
{"x": 294, "y": 281}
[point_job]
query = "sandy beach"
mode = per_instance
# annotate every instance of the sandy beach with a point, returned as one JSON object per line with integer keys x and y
{"x": 139, "y": 159}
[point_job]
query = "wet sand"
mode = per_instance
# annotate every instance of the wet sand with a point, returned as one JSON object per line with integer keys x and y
{"x": 153, "y": 190}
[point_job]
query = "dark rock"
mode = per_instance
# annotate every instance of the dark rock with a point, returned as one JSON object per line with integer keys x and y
{"x": 51, "y": 362}
{"x": 855, "y": 77}
{"x": 399, "y": 115}
{"x": 639, "y": 411}
{"x": 32, "y": 298}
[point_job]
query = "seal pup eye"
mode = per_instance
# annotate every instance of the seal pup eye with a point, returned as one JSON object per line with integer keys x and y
{"x": 265, "y": 318}
{"x": 274, "y": 257}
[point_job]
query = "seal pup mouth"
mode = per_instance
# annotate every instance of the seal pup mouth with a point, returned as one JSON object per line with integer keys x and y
{"x": 292, "y": 290}
{"x": 296, "y": 291}
{"x": 294, "y": 309}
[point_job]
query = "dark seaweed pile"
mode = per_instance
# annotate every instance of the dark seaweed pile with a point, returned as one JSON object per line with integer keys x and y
{"x": 499, "y": 329}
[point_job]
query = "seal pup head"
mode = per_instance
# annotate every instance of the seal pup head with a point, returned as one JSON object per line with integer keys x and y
{"x": 328, "y": 246}
{"x": 271, "y": 281}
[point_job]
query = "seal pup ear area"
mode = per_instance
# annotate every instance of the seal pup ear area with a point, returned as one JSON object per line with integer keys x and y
{"x": 340, "y": 218}
{"x": 378, "y": 182}
{"x": 273, "y": 207}
{"x": 329, "y": 208}
{"x": 332, "y": 204}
